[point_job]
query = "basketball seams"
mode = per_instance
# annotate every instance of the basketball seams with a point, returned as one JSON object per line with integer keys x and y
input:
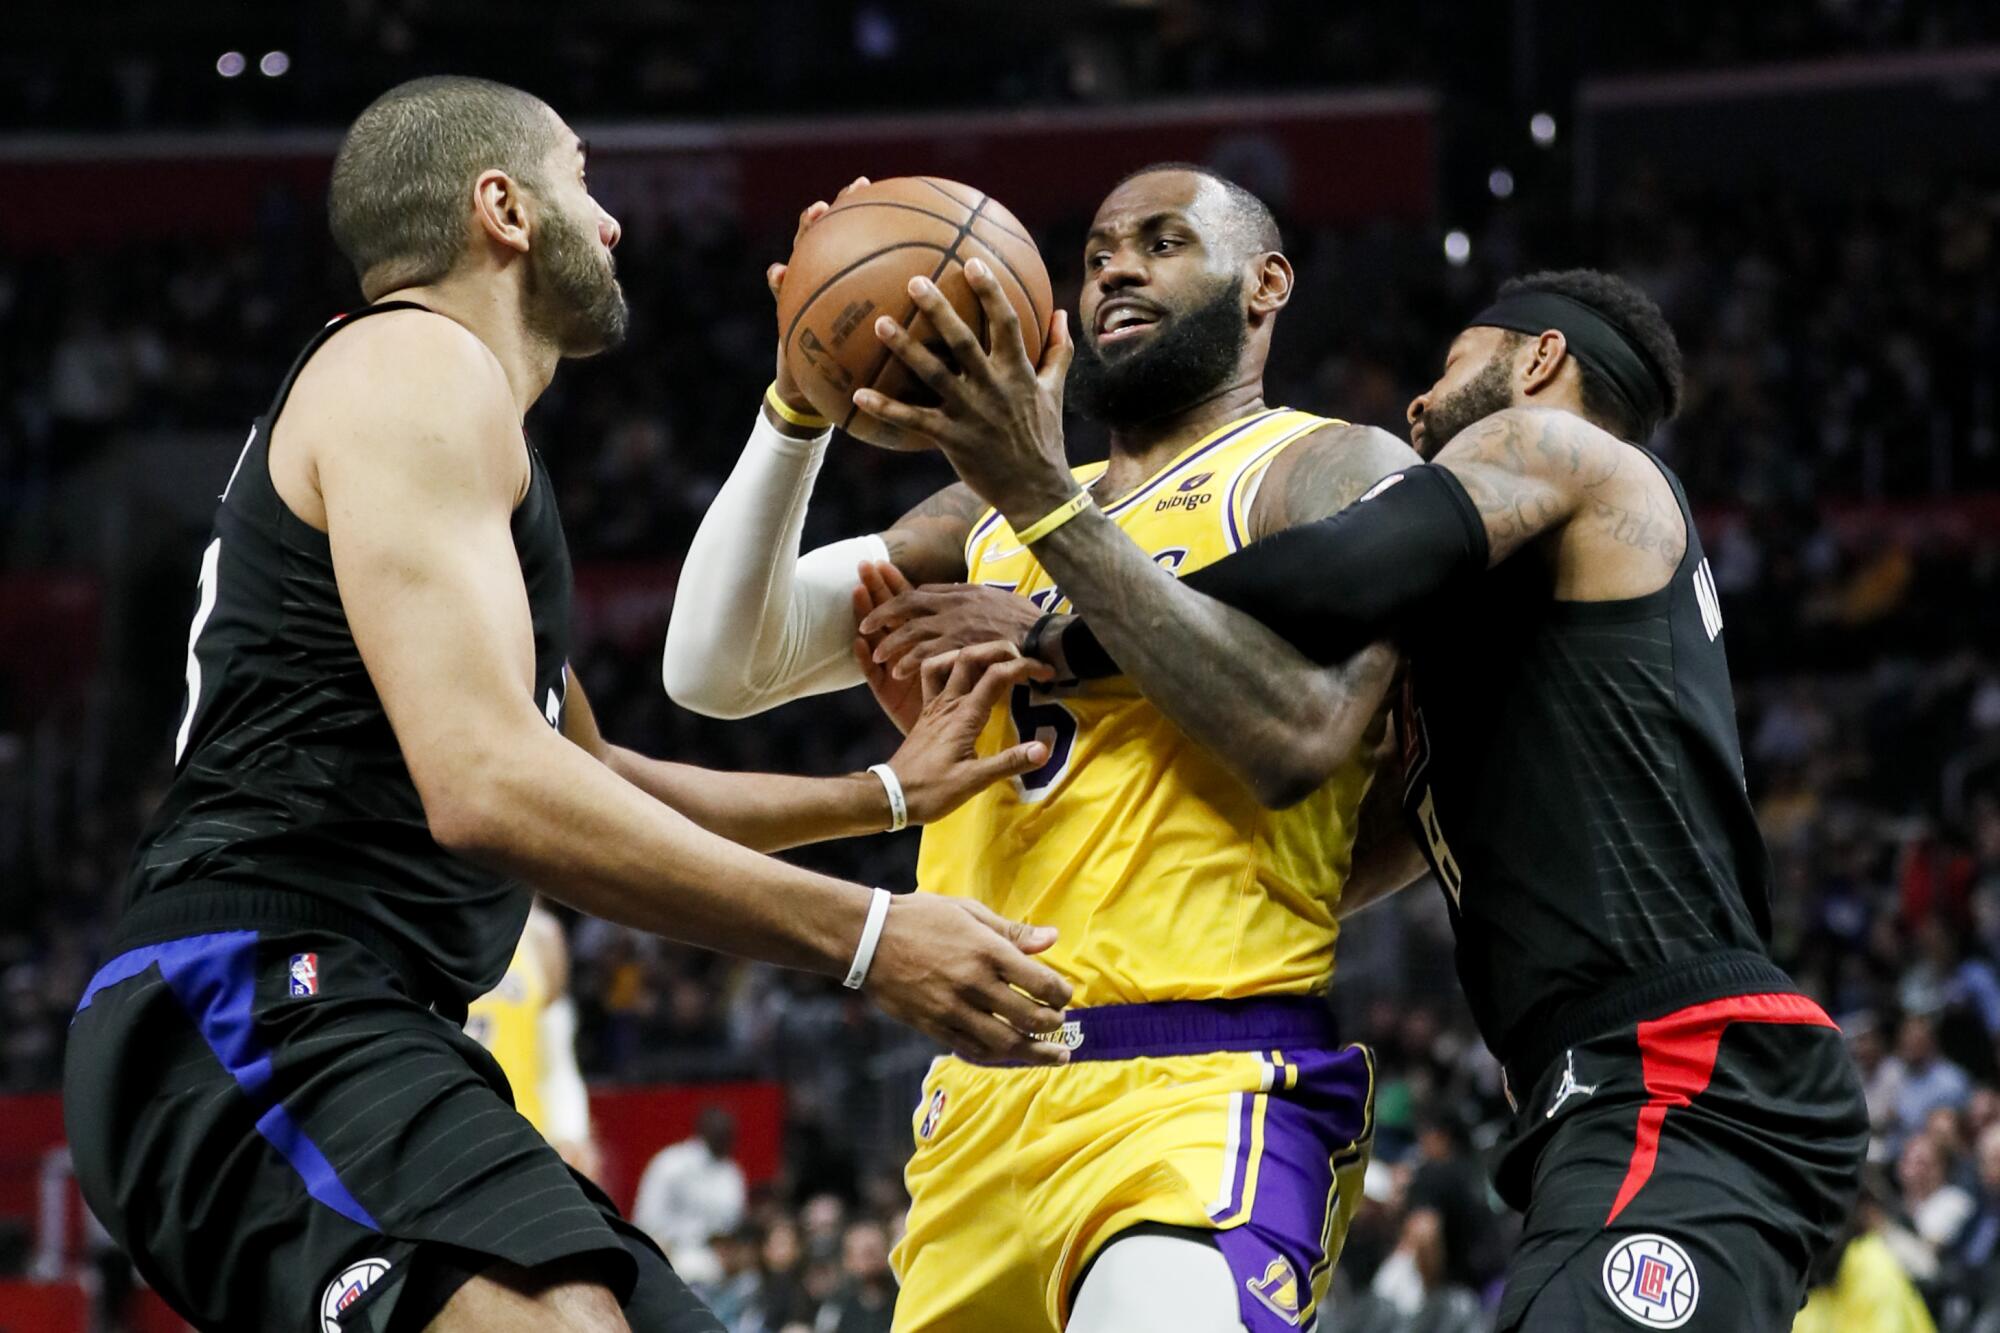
{"x": 909, "y": 320}
{"x": 1041, "y": 318}
{"x": 792, "y": 328}
{"x": 991, "y": 220}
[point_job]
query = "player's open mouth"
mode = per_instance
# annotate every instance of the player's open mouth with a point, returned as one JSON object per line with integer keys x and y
{"x": 1120, "y": 321}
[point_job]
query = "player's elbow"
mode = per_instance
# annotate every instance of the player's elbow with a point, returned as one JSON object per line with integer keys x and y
{"x": 698, "y": 680}
{"x": 699, "y": 688}
{"x": 469, "y": 805}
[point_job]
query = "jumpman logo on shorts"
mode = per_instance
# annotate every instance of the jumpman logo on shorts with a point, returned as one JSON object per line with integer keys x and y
{"x": 1569, "y": 1087}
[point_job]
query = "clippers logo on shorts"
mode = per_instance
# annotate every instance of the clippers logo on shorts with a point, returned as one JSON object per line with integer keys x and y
{"x": 1278, "y": 1289}
{"x": 346, "y": 1289}
{"x": 305, "y": 974}
{"x": 1652, "y": 1281}
{"x": 932, "y": 1114}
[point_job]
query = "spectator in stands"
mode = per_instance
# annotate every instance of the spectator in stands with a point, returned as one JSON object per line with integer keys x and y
{"x": 1937, "y": 1208}
{"x": 738, "y": 1288}
{"x": 1979, "y": 1242}
{"x": 1924, "y": 1078}
{"x": 1861, "y": 1287}
{"x": 866, "y": 1300}
{"x": 781, "y": 1300}
{"x": 691, "y": 1191}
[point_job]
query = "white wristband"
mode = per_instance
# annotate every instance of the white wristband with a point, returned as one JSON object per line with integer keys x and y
{"x": 871, "y": 935}
{"x": 899, "y": 805}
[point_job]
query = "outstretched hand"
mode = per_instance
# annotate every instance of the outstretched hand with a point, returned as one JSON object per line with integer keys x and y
{"x": 939, "y": 763}
{"x": 999, "y": 416}
{"x": 905, "y": 625}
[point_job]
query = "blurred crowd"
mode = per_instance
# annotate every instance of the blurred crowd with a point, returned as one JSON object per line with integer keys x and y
{"x": 169, "y": 68}
{"x": 1839, "y": 438}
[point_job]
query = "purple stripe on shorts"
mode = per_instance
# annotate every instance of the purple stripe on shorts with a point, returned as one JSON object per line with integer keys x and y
{"x": 1278, "y": 1249}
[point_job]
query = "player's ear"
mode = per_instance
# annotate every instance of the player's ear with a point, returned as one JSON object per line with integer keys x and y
{"x": 1273, "y": 284}
{"x": 1547, "y": 358}
{"x": 500, "y": 209}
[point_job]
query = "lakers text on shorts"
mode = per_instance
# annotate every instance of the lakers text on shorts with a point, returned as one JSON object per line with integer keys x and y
{"x": 1242, "y": 1118}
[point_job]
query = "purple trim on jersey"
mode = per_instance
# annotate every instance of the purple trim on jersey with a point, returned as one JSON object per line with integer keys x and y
{"x": 1312, "y": 1130}
{"x": 1181, "y": 463}
{"x": 215, "y": 979}
{"x": 1237, "y": 537}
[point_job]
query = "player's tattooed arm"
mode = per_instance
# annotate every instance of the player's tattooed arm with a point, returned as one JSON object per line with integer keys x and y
{"x": 1530, "y": 471}
{"x": 928, "y": 543}
{"x": 1386, "y": 859}
{"x": 1324, "y": 473}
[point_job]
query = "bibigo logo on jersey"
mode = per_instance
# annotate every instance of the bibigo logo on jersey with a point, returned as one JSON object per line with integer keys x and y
{"x": 1652, "y": 1281}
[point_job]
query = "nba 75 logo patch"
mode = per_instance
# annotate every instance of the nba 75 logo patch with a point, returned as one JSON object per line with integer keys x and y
{"x": 305, "y": 974}
{"x": 1652, "y": 1281}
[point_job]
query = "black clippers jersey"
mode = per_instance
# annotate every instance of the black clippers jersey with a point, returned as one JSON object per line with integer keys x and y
{"x": 1575, "y": 779}
{"x": 288, "y": 779}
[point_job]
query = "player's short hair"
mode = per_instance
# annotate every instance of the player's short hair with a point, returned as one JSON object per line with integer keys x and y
{"x": 1250, "y": 215}
{"x": 1634, "y": 314}
{"x": 403, "y": 178}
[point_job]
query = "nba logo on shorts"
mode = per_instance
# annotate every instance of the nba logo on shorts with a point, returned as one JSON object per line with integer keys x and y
{"x": 305, "y": 974}
{"x": 1652, "y": 1281}
{"x": 933, "y": 1111}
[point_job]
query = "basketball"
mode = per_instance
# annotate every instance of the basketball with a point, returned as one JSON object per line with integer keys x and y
{"x": 855, "y": 264}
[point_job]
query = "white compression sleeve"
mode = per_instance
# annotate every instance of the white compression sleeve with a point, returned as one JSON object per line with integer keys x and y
{"x": 754, "y": 624}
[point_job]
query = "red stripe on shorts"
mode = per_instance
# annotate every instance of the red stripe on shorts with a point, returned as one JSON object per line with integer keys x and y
{"x": 1677, "y": 1055}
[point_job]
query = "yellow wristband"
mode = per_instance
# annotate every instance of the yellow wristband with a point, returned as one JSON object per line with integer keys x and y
{"x": 1054, "y": 519}
{"x": 792, "y": 415}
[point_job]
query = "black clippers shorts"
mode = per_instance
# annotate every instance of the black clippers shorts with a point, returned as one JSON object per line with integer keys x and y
{"x": 1683, "y": 1172}
{"x": 283, "y": 1138}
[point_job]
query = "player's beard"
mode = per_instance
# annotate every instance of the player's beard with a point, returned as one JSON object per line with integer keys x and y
{"x": 1490, "y": 391}
{"x": 573, "y": 298}
{"x": 1186, "y": 359}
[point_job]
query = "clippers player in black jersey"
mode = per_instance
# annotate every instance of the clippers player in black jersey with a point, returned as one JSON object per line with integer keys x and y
{"x": 270, "y": 1099}
{"x": 1689, "y": 1129}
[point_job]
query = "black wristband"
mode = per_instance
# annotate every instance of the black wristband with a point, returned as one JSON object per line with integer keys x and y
{"x": 1031, "y": 642}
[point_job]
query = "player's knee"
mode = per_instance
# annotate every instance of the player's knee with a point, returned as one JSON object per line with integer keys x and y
{"x": 1144, "y": 1283}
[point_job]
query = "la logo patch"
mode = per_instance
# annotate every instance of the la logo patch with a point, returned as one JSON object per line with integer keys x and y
{"x": 1652, "y": 1280}
{"x": 346, "y": 1289}
{"x": 1278, "y": 1289}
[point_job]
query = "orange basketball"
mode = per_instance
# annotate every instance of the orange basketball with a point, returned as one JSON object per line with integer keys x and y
{"x": 854, "y": 265}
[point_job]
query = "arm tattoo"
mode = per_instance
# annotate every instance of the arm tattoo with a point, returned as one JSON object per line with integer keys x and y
{"x": 928, "y": 543}
{"x": 1324, "y": 473}
{"x": 1277, "y": 721}
{"x": 1530, "y": 471}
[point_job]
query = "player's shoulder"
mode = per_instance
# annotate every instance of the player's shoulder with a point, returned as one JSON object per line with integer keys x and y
{"x": 404, "y": 376}
{"x": 1323, "y": 470}
{"x": 405, "y": 362}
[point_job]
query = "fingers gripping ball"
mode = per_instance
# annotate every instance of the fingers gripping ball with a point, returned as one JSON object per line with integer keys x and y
{"x": 854, "y": 265}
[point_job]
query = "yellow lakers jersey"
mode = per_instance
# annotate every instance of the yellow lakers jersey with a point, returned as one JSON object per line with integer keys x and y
{"x": 507, "y": 1021}
{"x": 1165, "y": 877}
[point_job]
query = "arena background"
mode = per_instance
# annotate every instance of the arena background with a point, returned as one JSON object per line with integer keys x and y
{"x": 1811, "y": 188}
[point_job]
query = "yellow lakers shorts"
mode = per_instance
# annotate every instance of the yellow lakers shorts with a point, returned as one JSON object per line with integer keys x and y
{"x": 1240, "y": 1117}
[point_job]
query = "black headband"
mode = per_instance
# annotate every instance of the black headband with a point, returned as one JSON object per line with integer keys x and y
{"x": 1592, "y": 339}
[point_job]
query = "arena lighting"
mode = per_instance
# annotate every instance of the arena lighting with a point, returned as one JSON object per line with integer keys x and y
{"x": 230, "y": 63}
{"x": 274, "y": 64}
{"x": 1542, "y": 128}
{"x": 1500, "y": 182}
{"x": 1457, "y": 248}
